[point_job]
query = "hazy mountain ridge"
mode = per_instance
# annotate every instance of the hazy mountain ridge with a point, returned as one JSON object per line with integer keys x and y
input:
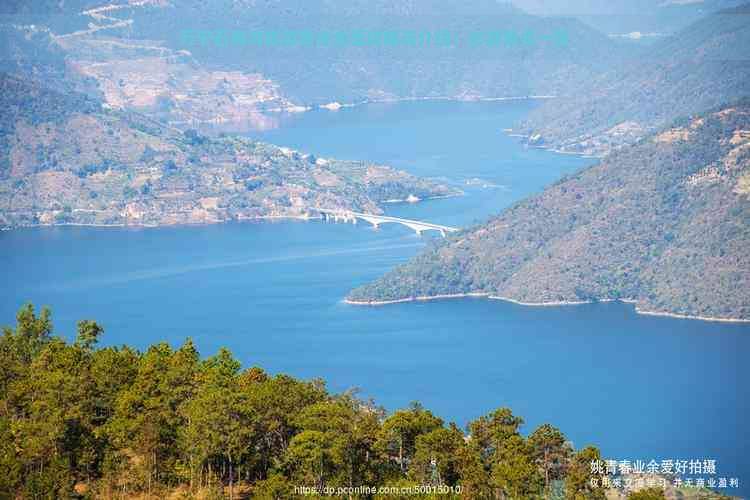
{"x": 66, "y": 159}
{"x": 663, "y": 223}
{"x": 699, "y": 68}
{"x": 350, "y": 73}
{"x": 660, "y": 17}
{"x": 136, "y": 56}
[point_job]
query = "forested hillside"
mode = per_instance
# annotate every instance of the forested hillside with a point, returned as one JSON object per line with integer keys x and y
{"x": 663, "y": 223}
{"x": 701, "y": 67}
{"x": 80, "y": 421}
{"x": 64, "y": 158}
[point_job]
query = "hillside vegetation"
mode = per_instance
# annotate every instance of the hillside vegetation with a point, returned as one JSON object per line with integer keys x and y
{"x": 79, "y": 421}
{"x": 663, "y": 223}
{"x": 76, "y": 420}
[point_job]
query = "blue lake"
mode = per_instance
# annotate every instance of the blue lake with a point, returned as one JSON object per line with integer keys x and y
{"x": 638, "y": 387}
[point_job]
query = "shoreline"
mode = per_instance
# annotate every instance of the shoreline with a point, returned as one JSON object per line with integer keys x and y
{"x": 162, "y": 226}
{"x": 449, "y": 98}
{"x": 422, "y": 298}
{"x": 420, "y": 200}
{"x": 511, "y": 133}
{"x": 688, "y": 316}
{"x": 210, "y": 223}
{"x": 335, "y": 106}
{"x": 554, "y": 303}
{"x": 484, "y": 295}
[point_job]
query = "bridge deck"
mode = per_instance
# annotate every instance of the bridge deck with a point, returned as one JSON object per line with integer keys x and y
{"x": 374, "y": 219}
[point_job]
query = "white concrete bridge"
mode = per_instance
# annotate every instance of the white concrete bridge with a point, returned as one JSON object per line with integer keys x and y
{"x": 376, "y": 220}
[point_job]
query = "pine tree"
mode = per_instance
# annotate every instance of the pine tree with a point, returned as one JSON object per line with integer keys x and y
{"x": 551, "y": 452}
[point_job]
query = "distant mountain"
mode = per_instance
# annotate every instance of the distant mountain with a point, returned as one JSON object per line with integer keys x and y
{"x": 701, "y": 67}
{"x": 351, "y": 73}
{"x": 658, "y": 17}
{"x": 65, "y": 158}
{"x": 534, "y": 65}
{"x": 663, "y": 223}
{"x": 136, "y": 55}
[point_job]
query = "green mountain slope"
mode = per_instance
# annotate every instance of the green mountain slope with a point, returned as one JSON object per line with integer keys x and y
{"x": 159, "y": 422}
{"x": 663, "y": 223}
{"x": 701, "y": 67}
{"x": 64, "y": 158}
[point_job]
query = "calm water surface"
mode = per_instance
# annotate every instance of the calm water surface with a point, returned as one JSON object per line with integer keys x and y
{"x": 639, "y": 387}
